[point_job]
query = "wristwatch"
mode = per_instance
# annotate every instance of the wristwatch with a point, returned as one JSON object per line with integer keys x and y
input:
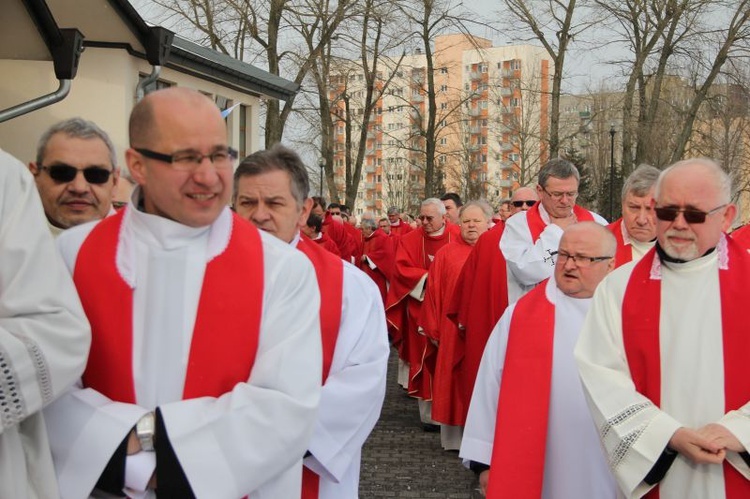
{"x": 145, "y": 430}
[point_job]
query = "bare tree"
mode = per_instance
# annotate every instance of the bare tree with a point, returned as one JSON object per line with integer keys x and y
{"x": 427, "y": 19}
{"x": 242, "y": 28}
{"x": 555, "y": 24}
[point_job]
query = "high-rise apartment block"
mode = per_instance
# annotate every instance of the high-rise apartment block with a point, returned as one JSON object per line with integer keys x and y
{"x": 491, "y": 122}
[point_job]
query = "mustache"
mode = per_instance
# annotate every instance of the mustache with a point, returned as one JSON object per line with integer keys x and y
{"x": 684, "y": 234}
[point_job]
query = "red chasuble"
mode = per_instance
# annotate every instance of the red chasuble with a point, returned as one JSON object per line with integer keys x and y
{"x": 479, "y": 301}
{"x": 230, "y": 308}
{"x": 339, "y": 235}
{"x": 379, "y": 250}
{"x": 329, "y": 269}
{"x": 520, "y": 443}
{"x": 401, "y": 229}
{"x": 742, "y": 236}
{"x": 624, "y": 253}
{"x": 537, "y": 225}
{"x": 326, "y": 242}
{"x": 414, "y": 256}
{"x": 641, "y": 312}
{"x": 445, "y": 359}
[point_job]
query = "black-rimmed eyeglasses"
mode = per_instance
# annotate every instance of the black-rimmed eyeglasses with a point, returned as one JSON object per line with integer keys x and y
{"x": 519, "y": 204}
{"x": 579, "y": 260}
{"x": 191, "y": 160}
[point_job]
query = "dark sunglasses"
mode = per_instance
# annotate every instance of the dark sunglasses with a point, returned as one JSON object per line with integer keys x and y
{"x": 669, "y": 214}
{"x": 518, "y": 204}
{"x": 66, "y": 173}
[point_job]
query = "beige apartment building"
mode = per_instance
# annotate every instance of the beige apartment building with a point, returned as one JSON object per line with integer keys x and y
{"x": 492, "y": 120}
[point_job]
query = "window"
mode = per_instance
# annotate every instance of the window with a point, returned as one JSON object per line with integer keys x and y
{"x": 482, "y": 68}
{"x": 483, "y": 104}
{"x": 443, "y": 141}
{"x": 443, "y": 88}
{"x": 443, "y": 105}
{"x": 444, "y": 70}
{"x": 155, "y": 85}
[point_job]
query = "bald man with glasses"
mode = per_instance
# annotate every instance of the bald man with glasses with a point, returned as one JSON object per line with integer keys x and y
{"x": 663, "y": 351}
{"x": 530, "y": 237}
{"x": 75, "y": 173}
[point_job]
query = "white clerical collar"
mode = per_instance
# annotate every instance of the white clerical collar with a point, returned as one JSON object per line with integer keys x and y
{"x": 155, "y": 230}
{"x": 396, "y": 223}
{"x": 295, "y": 240}
{"x": 438, "y": 232}
{"x": 555, "y": 295}
{"x": 543, "y": 214}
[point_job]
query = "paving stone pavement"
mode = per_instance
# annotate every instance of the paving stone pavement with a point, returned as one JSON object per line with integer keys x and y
{"x": 401, "y": 460}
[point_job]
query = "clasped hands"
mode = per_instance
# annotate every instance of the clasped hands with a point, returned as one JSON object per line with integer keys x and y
{"x": 706, "y": 445}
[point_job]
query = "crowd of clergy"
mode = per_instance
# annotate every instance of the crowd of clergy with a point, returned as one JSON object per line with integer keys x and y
{"x": 206, "y": 328}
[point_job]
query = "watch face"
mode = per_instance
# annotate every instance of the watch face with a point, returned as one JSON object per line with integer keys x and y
{"x": 144, "y": 430}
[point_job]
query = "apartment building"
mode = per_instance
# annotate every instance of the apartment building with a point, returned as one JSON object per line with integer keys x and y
{"x": 491, "y": 120}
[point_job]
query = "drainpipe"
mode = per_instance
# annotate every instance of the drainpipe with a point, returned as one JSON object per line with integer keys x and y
{"x": 140, "y": 90}
{"x": 38, "y": 103}
{"x": 65, "y": 47}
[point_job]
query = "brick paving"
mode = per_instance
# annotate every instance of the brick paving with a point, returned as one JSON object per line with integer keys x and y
{"x": 401, "y": 460}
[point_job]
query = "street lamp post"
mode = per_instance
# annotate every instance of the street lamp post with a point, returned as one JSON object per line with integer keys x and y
{"x": 612, "y": 172}
{"x": 321, "y": 165}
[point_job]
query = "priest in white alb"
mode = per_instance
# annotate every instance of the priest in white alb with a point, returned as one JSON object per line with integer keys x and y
{"x": 203, "y": 378}
{"x": 44, "y": 336}
{"x": 663, "y": 353}
{"x": 529, "y": 432}
{"x": 271, "y": 192}
{"x": 530, "y": 237}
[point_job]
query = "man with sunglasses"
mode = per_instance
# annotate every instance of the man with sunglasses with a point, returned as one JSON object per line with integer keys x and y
{"x": 530, "y": 237}
{"x": 635, "y": 231}
{"x": 75, "y": 172}
{"x": 200, "y": 382}
{"x": 414, "y": 255}
{"x": 528, "y": 432}
{"x": 522, "y": 200}
{"x": 663, "y": 352}
{"x": 271, "y": 191}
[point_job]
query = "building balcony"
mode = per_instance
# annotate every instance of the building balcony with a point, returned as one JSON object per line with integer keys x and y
{"x": 507, "y": 165}
{"x": 508, "y": 73}
{"x": 475, "y": 75}
{"x": 369, "y": 185}
{"x": 370, "y": 169}
{"x": 507, "y": 146}
{"x": 474, "y": 130}
{"x": 417, "y": 98}
{"x": 508, "y": 183}
{"x": 475, "y": 111}
{"x": 506, "y": 91}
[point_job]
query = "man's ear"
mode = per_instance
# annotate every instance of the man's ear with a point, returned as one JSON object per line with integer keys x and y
{"x": 136, "y": 166}
{"x": 307, "y": 207}
{"x": 33, "y": 168}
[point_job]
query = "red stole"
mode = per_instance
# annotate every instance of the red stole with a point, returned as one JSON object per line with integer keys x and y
{"x": 537, "y": 225}
{"x": 517, "y": 467}
{"x": 329, "y": 270}
{"x": 229, "y": 308}
{"x": 640, "y": 326}
{"x": 624, "y": 252}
